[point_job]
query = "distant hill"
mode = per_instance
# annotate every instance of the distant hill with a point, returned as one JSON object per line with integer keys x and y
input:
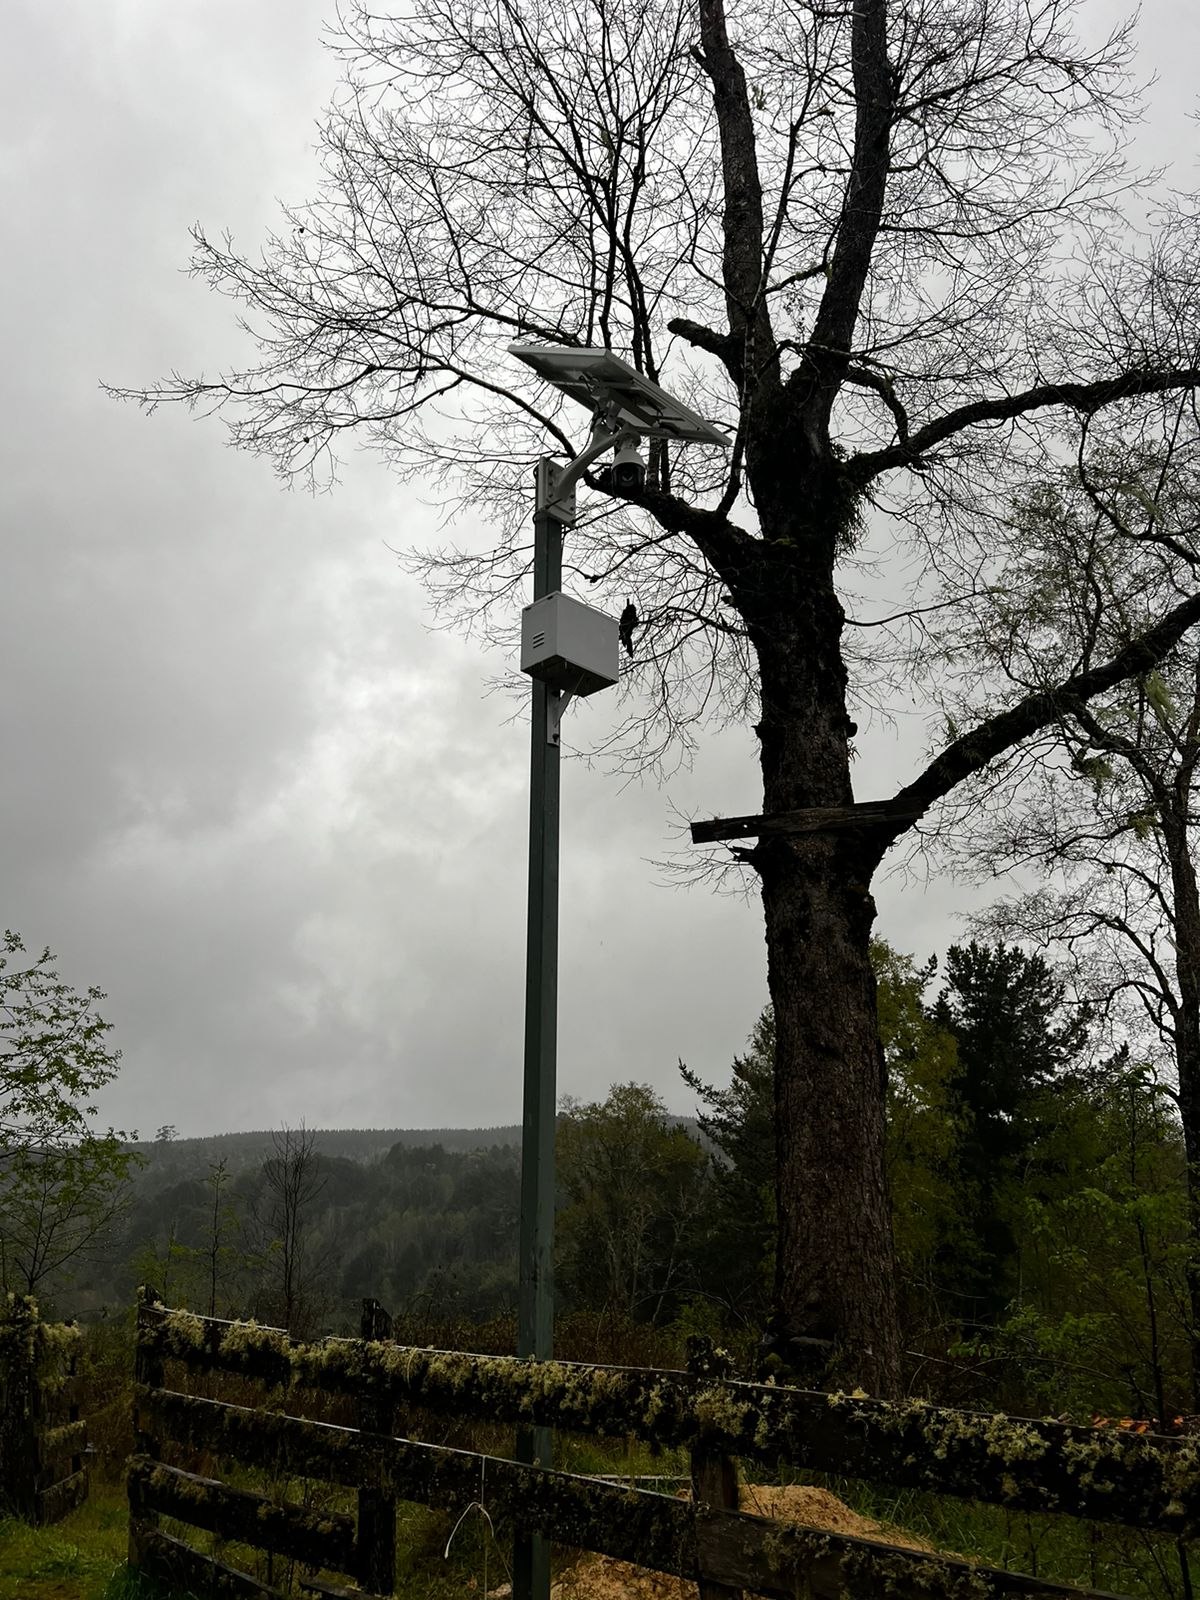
{"x": 409, "y": 1216}
{"x": 242, "y": 1150}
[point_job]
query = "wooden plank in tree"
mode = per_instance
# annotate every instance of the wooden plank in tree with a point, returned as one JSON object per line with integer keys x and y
{"x": 813, "y": 819}
{"x": 316, "y": 1538}
{"x": 375, "y": 1568}
{"x": 174, "y": 1563}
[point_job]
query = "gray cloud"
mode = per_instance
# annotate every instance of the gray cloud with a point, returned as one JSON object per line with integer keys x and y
{"x": 245, "y": 788}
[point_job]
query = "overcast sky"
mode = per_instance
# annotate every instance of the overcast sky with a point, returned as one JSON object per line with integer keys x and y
{"x": 243, "y": 786}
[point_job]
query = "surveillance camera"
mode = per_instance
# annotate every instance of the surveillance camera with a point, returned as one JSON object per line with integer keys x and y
{"x": 629, "y": 470}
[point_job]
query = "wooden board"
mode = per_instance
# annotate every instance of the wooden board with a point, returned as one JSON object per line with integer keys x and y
{"x": 725, "y": 1548}
{"x": 177, "y": 1565}
{"x": 60, "y": 1444}
{"x": 316, "y": 1538}
{"x": 60, "y": 1398}
{"x": 815, "y": 819}
{"x": 1140, "y": 1481}
{"x": 57, "y": 1501}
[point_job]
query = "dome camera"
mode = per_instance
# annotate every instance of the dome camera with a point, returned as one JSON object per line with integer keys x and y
{"x": 629, "y": 470}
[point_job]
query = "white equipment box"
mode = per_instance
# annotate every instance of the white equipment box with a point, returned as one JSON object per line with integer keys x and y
{"x": 571, "y": 647}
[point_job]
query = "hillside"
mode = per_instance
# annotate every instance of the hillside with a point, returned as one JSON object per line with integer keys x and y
{"x": 193, "y": 1157}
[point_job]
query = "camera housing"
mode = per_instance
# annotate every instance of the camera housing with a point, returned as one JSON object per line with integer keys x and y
{"x": 629, "y": 470}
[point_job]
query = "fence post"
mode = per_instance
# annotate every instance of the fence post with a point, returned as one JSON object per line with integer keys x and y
{"x": 148, "y": 1370}
{"x": 79, "y": 1462}
{"x": 714, "y": 1474}
{"x": 18, "y": 1420}
{"x": 376, "y": 1510}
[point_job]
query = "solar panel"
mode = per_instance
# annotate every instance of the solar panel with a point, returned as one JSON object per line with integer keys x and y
{"x": 598, "y": 379}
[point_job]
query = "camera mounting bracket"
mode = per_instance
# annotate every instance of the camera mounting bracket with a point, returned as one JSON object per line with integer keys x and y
{"x": 556, "y": 485}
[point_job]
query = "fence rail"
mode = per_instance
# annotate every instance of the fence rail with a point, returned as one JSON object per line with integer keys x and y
{"x": 43, "y": 1439}
{"x": 1136, "y": 1480}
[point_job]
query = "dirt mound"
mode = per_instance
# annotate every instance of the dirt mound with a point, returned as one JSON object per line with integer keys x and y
{"x": 817, "y": 1508}
{"x": 601, "y": 1578}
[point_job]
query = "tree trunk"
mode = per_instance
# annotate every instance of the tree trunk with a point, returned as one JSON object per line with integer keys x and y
{"x": 835, "y": 1272}
{"x": 835, "y": 1320}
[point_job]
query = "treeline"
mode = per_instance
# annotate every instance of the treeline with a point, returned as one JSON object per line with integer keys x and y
{"x": 167, "y": 1156}
{"x": 300, "y": 1236}
{"x": 1038, "y": 1194}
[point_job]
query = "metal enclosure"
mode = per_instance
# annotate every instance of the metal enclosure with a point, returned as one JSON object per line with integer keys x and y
{"x": 569, "y": 646}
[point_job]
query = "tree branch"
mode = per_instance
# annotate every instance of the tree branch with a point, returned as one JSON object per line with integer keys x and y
{"x": 753, "y": 356}
{"x": 864, "y": 378}
{"x": 1085, "y": 397}
{"x": 975, "y": 750}
{"x": 862, "y": 207}
{"x": 723, "y": 544}
{"x": 721, "y": 345}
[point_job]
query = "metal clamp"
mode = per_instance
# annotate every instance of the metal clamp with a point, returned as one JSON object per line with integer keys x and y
{"x": 556, "y": 485}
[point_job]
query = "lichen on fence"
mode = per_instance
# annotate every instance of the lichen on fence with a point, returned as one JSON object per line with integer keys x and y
{"x": 43, "y": 1440}
{"x": 1139, "y": 1480}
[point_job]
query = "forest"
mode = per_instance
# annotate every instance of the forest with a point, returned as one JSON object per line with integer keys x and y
{"x": 1037, "y": 1183}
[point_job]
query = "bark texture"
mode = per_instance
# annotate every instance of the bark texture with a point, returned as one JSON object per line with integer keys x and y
{"x": 835, "y": 1316}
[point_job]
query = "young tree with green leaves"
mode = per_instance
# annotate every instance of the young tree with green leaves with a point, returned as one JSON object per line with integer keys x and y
{"x": 62, "y": 1184}
{"x": 211, "y": 1269}
{"x": 59, "y": 1206}
{"x": 1104, "y": 1320}
{"x": 54, "y": 1052}
{"x": 881, "y": 245}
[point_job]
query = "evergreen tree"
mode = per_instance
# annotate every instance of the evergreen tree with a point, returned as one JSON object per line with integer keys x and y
{"x": 739, "y": 1120}
{"x": 1016, "y": 1039}
{"x": 739, "y": 1228}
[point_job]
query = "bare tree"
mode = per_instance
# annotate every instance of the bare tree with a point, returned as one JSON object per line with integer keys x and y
{"x": 220, "y": 1255}
{"x": 881, "y": 243}
{"x": 293, "y": 1180}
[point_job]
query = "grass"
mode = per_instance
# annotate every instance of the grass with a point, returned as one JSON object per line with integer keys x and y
{"x": 80, "y": 1558}
{"x": 1057, "y": 1548}
{"x": 83, "y": 1557}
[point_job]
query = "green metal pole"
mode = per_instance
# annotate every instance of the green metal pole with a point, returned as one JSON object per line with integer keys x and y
{"x": 535, "y": 1316}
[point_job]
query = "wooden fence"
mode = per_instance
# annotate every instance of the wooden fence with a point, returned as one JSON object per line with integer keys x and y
{"x": 43, "y": 1441}
{"x": 1107, "y": 1475}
